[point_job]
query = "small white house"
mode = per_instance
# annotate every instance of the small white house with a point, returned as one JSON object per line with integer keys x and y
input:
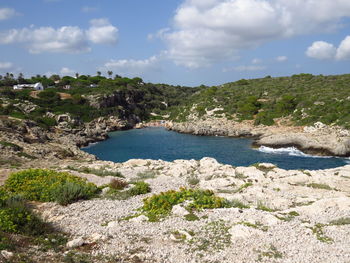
{"x": 36, "y": 86}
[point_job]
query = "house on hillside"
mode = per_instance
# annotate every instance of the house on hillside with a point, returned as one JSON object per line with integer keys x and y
{"x": 36, "y": 86}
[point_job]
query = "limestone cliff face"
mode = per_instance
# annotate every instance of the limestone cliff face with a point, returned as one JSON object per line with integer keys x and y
{"x": 317, "y": 140}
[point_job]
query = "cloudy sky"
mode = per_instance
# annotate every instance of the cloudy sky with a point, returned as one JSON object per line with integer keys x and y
{"x": 182, "y": 42}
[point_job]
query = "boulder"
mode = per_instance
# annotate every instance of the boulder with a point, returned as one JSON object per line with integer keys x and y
{"x": 75, "y": 242}
{"x": 6, "y": 254}
{"x": 178, "y": 210}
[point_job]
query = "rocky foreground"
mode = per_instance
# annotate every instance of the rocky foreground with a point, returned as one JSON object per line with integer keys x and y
{"x": 280, "y": 216}
{"x": 276, "y": 216}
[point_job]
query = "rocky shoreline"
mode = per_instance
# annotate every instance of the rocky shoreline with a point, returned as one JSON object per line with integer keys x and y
{"x": 25, "y": 139}
{"x": 320, "y": 139}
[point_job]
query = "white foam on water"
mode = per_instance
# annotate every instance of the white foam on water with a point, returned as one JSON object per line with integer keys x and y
{"x": 292, "y": 151}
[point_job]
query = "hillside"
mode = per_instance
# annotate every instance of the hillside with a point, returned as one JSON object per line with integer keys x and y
{"x": 304, "y": 98}
{"x": 88, "y": 98}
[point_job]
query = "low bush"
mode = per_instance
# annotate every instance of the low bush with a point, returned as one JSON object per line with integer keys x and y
{"x": 48, "y": 185}
{"x": 16, "y": 217}
{"x": 140, "y": 188}
{"x": 70, "y": 192}
{"x": 160, "y": 205}
{"x": 118, "y": 184}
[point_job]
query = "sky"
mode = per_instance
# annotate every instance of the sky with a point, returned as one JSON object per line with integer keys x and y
{"x": 179, "y": 42}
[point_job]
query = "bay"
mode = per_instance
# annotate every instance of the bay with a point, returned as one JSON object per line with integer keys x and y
{"x": 159, "y": 143}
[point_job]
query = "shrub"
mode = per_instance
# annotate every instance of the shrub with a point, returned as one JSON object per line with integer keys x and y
{"x": 15, "y": 217}
{"x": 118, "y": 184}
{"x": 193, "y": 180}
{"x": 140, "y": 188}
{"x": 70, "y": 192}
{"x": 47, "y": 185}
{"x": 161, "y": 204}
{"x": 45, "y": 122}
{"x": 264, "y": 118}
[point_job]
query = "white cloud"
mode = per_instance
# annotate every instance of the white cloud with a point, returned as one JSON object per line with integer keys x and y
{"x": 5, "y": 65}
{"x": 160, "y": 33}
{"x": 245, "y": 68}
{"x": 88, "y": 9}
{"x": 343, "y": 51}
{"x": 7, "y": 13}
{"x": 66, "y": 39}
{"x": 325, "y": 50}
{"x": 281, "y": 58}
{"x": 102, "y": 32}
{"x": 133, "y": 67}
{"x": 321, "y": 50}
{"x": 67, "y": 71}
{"x": 206, "y": 31}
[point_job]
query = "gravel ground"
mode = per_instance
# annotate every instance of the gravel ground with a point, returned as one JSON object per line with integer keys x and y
{"x": 315, "y": 198}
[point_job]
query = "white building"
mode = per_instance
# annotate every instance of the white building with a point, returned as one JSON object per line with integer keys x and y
{"x": 36, "y": 86}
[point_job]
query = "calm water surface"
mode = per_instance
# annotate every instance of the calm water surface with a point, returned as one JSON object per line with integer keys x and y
{"x": 158, "y": 143}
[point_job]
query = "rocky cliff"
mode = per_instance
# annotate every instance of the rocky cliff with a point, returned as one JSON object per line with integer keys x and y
{"x": 22, "y": 140}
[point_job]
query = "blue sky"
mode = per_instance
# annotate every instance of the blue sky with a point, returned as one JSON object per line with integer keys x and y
{"x": 181, "y": 42}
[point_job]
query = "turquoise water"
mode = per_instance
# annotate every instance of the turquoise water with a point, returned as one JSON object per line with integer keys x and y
{"x": 158, "y": 143}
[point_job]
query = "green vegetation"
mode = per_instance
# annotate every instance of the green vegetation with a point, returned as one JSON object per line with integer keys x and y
{"x": 272, "y": 252}
{"x": 340, "y": 221}
{"x": 116, "y": 191}
{"x": 257, "y": 225}
{"x": 140, "y": 188}
{"x": 48, "y": 185}
{"x": 318, "y": 231}
{"x": 287, "y": 216}
{"x": 193, "y": 180}
{"x": 304, "y": 98}
{"x": 20, "y": 227}
{"x": 129, "y": 98}
{"x": 320, "y": 186}
{"x": 160, "y": 205}
{"x": 146, "y": 175}
{"x": 214, "y": 236}
{"x": 191, "y": 217}
{"x": 15, "y": 216}
{"x": 238, "y": 204}
{"x": 11, "y": 145}
{"x": 261, "y": 206}
{"x": 99, "y": 172}
{"x": 242, "y": 187}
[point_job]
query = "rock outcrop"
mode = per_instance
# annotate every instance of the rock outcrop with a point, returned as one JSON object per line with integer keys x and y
{"x": 28, "y": 140}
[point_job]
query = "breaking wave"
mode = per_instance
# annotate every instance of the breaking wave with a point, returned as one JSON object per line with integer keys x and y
{"x": 292, "y": 151}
